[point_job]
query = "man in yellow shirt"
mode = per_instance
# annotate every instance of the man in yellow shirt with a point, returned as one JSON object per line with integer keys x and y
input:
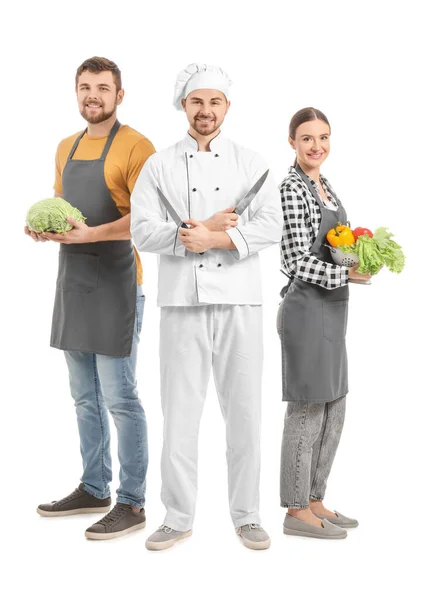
{"x": 98, "y": 309}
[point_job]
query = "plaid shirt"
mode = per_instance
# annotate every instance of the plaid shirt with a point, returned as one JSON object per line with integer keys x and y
{"x": 301, "y": 222}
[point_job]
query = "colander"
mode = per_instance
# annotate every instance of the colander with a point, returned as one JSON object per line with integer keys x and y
{"x": 346, "y": 260}
{"x": 341, "y": 259}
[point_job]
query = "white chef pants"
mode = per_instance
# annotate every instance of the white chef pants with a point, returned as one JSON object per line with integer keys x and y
{"x": 192, "y": 339}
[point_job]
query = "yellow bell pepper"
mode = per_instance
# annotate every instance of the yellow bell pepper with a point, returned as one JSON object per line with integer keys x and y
{"x": 340, "y": 235}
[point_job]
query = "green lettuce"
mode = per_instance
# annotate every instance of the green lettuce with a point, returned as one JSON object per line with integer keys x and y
{"x": 50, "y": 215}
{"x": 370, "y": 258}
{"x": 391, "y": 252}
{"x": 374, "y": 252}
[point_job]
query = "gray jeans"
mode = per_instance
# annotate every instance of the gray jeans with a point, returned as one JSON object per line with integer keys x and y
{"x": 311, "y": 436}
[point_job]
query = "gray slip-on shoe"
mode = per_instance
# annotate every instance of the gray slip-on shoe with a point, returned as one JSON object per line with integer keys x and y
{"x": 165, "y": 537}
{"x": 77, "y": 502}
{"x": 121, "y": 520}
{"x": 328, "y": 531}
{"x": 340, "y": 520}
{"x": 254, "y": 536}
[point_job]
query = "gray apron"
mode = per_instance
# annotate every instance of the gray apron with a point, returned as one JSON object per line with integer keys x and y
{"x": 312, "y": 323}
{"x": 95, "y": 299}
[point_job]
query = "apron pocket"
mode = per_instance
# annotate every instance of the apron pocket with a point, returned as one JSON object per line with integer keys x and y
{"x": 78, "y": 272}
{"x": 335, "y": 316}
{"x": 279, "y": 319}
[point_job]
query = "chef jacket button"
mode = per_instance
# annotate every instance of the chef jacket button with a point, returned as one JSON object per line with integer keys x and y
{"x": 216, "y": 155}
{"x": 191, "y": 156}
{"x": 216, "y": 189}
{"x": 219, "y": 265}
{"x": 200, "y": 266}
{"x": 193, "y": 189}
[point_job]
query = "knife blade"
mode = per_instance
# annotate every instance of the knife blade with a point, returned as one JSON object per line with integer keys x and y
{"x": 249, "y": 197}
{"x": 177, "y": 220}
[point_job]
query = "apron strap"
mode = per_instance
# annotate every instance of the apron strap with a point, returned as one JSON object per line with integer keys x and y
{"x": 74, "y": 147}
{"x": 311, "y": 187}
{"x": 308, "y": 184}
{"x": 339, "y": 213}
{"x": 110, "y": 139}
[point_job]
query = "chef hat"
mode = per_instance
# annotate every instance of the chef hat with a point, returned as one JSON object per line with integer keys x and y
{"x": 197, "y": 76}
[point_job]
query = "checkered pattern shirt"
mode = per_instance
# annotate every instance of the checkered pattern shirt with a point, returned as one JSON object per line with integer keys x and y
{"x": 301, "y": 222}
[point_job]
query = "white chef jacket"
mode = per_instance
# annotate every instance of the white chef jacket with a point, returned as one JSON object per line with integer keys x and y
{"x": 199, "y": 184}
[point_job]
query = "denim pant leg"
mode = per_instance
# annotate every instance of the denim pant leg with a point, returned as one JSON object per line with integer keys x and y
{"x": 118, "y": 383}
{"x": 303, "y": 421}
{"x": 325, "y": 447}
{"x": 92, "y": 419}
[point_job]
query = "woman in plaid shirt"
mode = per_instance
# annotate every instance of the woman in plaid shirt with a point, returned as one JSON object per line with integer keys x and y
{"x": 311, "y": 323}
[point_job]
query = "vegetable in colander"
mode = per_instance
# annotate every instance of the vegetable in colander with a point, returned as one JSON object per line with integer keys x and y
{"x": 374, "y": 252}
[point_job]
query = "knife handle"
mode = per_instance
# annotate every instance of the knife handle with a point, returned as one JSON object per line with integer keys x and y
{"x": 184, "y": 226}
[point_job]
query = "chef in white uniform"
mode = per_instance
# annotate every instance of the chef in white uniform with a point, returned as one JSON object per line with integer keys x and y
{"x": 210, "y": 298}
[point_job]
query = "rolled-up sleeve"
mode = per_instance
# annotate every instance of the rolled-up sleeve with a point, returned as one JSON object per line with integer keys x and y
{"x": 265, "y": 223}
{"x": 149, "y": 227}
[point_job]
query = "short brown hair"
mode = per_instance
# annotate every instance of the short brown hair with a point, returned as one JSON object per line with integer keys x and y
{"x": 97, "y": 64}
{"x": 304, "y": 115}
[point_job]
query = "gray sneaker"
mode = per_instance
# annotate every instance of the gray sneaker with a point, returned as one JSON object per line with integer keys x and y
{"x": 254, "y": 536}
{"x": 121, "y": 520}
{"x": 77, "y": 503}
{"x": 165, "y": 537}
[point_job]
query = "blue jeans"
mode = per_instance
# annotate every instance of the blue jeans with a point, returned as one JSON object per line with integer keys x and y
{"x": 99, "y": 382}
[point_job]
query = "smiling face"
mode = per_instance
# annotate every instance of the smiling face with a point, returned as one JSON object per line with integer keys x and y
{"x": 97, "y": 96}
{"x": 311, "y": 143}
{"x": 205, "y": 110}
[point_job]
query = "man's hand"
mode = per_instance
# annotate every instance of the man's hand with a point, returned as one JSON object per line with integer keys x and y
{"x": 197, "y": 238}
{"x": 37, "y": 237}
{"x": 80, "y": 234}
{"x": 223, "y": 220}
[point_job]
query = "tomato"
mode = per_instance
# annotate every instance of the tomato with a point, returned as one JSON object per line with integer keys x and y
{"x": 340, "y": 235}
{"x": 361, "y": 231}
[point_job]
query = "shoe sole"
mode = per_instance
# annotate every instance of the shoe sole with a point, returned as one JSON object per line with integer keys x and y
{"x": 340, "y": 536}
{"x": 346, "y": 526}
{"x": 75, "y": 511}
{"x": 167, "y": 544}
{"x": 255, "y": 545}
{"x": 91, "y": 535}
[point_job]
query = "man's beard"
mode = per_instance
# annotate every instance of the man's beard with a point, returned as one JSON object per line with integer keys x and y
{"x": 202, "y": 130}
{"x": 98, "y": 118}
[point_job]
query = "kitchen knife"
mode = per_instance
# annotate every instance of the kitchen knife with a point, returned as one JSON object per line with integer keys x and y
{"x": 177, "y": 220}
{"x": 249, "y": 197}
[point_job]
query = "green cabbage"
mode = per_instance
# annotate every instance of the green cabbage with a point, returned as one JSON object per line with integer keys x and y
{"x": 50, "y": 215}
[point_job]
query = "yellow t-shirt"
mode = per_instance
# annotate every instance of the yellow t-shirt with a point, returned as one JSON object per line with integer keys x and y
{"x": 124, "y": 161}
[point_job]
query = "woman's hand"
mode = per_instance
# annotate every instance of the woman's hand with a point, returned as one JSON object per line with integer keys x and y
{"x": 353, "y": 275}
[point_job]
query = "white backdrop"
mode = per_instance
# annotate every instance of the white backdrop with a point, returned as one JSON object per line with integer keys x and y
{"x": 359, "y": 62}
